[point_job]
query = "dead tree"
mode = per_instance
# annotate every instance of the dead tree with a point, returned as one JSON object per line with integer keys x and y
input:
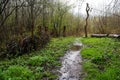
{"x": 87, "y": 11}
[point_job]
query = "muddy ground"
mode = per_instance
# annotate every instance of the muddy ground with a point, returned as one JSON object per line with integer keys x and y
{"x": 72, "y": 64}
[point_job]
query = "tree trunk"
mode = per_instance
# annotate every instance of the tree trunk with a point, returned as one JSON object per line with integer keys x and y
{"x": 32, "y": 20}
{"x": 85, "y": 28}
{"x": 64, "y": 31}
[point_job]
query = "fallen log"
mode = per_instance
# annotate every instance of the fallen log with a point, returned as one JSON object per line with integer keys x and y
{"x": 114, "y": 35}
{"x": 99, "y": 35}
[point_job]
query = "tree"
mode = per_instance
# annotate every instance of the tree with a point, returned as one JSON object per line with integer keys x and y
{"x": 60, "y": 12}
{"x": 87, "y": 11}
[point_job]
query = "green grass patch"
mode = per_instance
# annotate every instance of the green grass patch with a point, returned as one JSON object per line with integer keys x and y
{"x": 38, "y": 65}
{"x": 101, "y": 58}
{"x": 17, "y": 73}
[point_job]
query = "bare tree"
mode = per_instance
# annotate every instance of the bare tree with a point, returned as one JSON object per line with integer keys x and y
{"x": 87, "y": 11}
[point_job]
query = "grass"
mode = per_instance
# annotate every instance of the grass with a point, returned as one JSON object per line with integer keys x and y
{"x": 38, "y": 65}
{"x": 17, "y": 73}
{"x": 101, "y": 58}
{"x": 101, "y": 61}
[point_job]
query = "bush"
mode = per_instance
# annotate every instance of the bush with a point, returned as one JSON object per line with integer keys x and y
{"x": 12, "y": 48}
{"x": 26, "y": 45}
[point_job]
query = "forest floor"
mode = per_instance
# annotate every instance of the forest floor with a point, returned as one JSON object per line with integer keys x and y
{"x": 101, "y": 60}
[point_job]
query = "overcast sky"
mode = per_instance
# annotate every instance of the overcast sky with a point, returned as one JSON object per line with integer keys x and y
{"x": 97, "y": 4}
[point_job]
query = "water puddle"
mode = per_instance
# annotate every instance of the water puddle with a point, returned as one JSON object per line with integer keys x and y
{"x": 71, "y": 63}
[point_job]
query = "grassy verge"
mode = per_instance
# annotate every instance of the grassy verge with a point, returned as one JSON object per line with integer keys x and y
{"x": 101, "y": 58}
{"x": 39, "y": 65}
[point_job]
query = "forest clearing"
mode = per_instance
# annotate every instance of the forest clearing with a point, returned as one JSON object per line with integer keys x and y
{"x": 59, "y": 39}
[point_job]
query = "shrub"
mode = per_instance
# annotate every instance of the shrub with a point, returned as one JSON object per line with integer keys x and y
{"x": 26, "y": 45}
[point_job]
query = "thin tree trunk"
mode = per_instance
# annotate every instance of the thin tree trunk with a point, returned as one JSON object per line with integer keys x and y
{"x": 64, "y": 31}
{"x": 32, "y": 20}
{"x": 87, "y": 11}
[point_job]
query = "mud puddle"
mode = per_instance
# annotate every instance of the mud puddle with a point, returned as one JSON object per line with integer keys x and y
{"x": 71, "y": 63}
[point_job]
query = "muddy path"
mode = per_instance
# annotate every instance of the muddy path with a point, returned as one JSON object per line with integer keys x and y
{"x": 72, "y": 63}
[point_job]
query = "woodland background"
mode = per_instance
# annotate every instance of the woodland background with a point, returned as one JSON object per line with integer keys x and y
{"x": 27, "y": 25}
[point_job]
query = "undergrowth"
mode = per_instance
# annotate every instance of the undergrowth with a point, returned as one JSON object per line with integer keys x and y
{"x": 38, "y": 65}
{"x": 101, "y": 58}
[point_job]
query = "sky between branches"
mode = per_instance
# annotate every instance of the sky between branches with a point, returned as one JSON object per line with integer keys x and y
{"x": 96, "y": 4}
